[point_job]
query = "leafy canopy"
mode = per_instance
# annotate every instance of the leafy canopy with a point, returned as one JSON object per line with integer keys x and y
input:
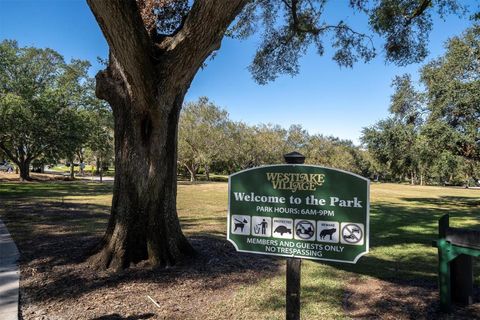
{"x": 43, "y": 103}
{"x": 287, "y": 28}
{"x": 290, "y": 27}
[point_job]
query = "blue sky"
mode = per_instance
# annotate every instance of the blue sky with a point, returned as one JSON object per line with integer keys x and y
{"x": 323, "y": 98}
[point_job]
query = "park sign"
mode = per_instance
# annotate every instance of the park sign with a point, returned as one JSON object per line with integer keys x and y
{"x": 299, "y": 211}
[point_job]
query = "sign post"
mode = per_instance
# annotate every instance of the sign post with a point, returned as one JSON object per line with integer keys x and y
{"x": 294, "y": 265}
{"x": 300, "y": 212}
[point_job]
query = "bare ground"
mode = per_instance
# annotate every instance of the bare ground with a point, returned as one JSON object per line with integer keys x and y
{"x": 377, "y": 299}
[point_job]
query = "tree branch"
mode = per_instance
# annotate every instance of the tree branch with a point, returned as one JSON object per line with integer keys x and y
{"x": 128, "y": 40}
{"x": 313, "y": 29}
{"x": 188, "y": 48}
{"x": 111, "y": 84}
{"x": 418, "y": 11}
{"x": 9, "y": 154}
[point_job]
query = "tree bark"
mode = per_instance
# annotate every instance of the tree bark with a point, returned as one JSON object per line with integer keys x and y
{"x": 72, "y": 169}
{"x": 143, "y": 223}
{"x": 100, "y": 171}
{"x": 24, "y": 167}
{"x": 97, "y": 161}
{"x": 145, "y": 83}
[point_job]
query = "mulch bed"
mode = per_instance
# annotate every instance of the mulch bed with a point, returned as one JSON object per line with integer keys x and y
{"x": 187, "y": 291}
{"x": 57, "y": 282}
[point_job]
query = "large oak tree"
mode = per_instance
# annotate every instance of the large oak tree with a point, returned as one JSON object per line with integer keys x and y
{"x": 43, "y": 102}
{"x": 157, "y": 47}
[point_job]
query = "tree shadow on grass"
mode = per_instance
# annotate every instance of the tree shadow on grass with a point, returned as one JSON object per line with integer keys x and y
{"x": 401, "y": 241}
{"x": 472, "y": 203}
{"x": 21, "y": 191}
{"x": 402, "y": 264}
{"x": 204, "y": 226}
{"x": 392, "y": 224}
{"x": 54, "y": 233}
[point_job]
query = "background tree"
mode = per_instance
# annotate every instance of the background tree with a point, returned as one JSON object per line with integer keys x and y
{"x": 453, "y": 95}
{"x": 202, "y": 135}
{"x": 297, "y": 137}
{"x": 430, "y": 130}
{"x": 336, "y": 153}
{"x": 157, "y": 47}
{"x": 100, "y": 143}
{"x": 241, "y": 147}
{"x": 393, "y": 141}
{"x": 40, "y": 96}
{"x": 249, "y": 146}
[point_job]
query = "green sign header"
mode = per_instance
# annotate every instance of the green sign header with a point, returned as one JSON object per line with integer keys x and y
{"x": 300, "y": 211}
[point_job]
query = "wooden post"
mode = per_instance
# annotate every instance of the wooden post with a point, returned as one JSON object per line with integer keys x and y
{"x": 294, "y": 265}
{"x": 455, "y": 270}
{"x": 461, "y": 273}
{"x": 444, "y": 276}
{"x": 444, "y": 265}
{"x": 443, "y": 225}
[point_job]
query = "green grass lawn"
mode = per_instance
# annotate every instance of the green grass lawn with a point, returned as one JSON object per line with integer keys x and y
{"x": 89, "y": 169}
{"x": 403, "y": 223}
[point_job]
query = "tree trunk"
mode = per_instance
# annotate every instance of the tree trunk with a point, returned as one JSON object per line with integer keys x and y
{"x": 145, "y": 83}
{"x": 207, "y": 172}
{"x": 72, "y": 169}
{"x": 143, "y": 224}
{"x": 100, "y": 171}
{"x": 193, "y": 172}
{"x": 24, "y": 170}
{"x": 97, "y": 171}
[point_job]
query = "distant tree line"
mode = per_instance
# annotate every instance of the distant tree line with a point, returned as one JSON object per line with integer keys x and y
{"x": 209, "y": 141}
{"x": 49, "y": 112}
{"x": 433, "y": 134}
{"x": 431, "y": 137}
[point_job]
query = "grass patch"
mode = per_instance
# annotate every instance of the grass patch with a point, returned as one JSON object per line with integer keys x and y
{"x": 403, "y": 223}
